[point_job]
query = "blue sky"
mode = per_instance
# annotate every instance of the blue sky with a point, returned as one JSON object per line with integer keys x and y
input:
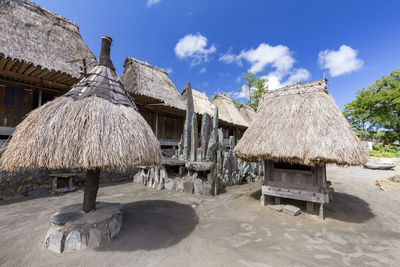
{"x": 211, "y": 43}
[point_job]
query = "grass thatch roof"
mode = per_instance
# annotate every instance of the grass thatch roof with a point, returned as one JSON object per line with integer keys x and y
{"x": 141, "y": 78}
{"x": 228, "y": 112}
{"x": 301, "y": 124}
{"x": 94, "y": 125}
{"x": 32, "y": 34}
{"x": 247, "y": 112}
{"x": 201, "y": 102}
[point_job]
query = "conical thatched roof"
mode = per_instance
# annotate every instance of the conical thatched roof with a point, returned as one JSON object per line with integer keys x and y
{"x": 247, "y": 112}
{"x": 201, "y": 102}
{"x": 32, "y": 34}
{"x": 141, "y": 78}
{"x": 301, "y": 124}
{"x": 94, "y": 125}
{"x": 228, "y": 112}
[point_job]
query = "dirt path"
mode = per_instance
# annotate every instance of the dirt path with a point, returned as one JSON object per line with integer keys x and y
{"x": 176, "y": 229}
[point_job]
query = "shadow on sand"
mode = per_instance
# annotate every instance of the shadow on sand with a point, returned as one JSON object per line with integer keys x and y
{"x": 152, "y": 225}
{"x": 343, "y": 207}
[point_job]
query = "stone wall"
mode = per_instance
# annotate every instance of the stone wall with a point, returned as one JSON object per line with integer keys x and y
{"x": 18, "y": 184}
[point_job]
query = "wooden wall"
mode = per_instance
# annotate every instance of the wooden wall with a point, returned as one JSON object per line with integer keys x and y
{"x": 165, "y": 126}
{"x": 12, "y": 116}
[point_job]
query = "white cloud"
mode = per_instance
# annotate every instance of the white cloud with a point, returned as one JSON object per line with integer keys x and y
{"x": 194, "y": 47}
{"x": 277, "y": 59}
{"x": 238, "y": 79}
{"x": 341, "y": 61}
{"x": 152, "y": 2}
{"x": 202, "y": 70}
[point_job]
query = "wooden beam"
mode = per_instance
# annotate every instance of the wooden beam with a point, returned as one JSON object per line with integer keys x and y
{"x": 31, "y": 86}
{"x": 40, "y": 97}
{"x": 156, "y": 131}
{"x": 23, "y": 67}
{"x": 34, "y": 80}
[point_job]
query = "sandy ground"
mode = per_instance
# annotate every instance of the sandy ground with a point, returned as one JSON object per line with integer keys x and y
{"x": 164, "y": 228}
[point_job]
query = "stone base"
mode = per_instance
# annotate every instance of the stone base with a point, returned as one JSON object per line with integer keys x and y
{"x": 73, "y": 229}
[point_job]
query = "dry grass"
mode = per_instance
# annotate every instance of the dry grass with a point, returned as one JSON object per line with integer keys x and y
{"x": 228, "y": 112}
{"x": 38, "y": 36}
{"x": 142, "y": 78}
{"x": 87, "y": 133}
{"x": 247, "y": 112}
{"x": 201, "y": 102}
{"x": 301, "y": 124}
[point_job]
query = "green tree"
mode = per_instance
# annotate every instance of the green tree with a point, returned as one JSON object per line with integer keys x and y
{"x": 253, "y": 89}
{"x": 377, "y": 108}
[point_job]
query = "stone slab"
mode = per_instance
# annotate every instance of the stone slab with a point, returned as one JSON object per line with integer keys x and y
{"x": 292, "y": 210}
{"x": 72, "y": 229}
{"x": 373, "y": 166}
{"x": 200, "y": 165}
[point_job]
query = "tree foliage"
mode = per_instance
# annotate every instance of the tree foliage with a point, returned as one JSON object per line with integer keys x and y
{"x": 376, "y": 109}
{"x": 253, "y": 89}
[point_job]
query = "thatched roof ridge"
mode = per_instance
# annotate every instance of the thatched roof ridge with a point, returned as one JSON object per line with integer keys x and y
{"x": 228, "y": 112}
{"x": 201, "y": 102}
{"x": 144, "y": 79}
{"x": 301, "y": 124}
{"x": 247, "y": 112}
{"x": 37, "y": 36}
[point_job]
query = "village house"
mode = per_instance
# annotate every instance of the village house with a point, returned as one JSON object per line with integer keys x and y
{"x": 41, "y": 56}
{"x": 157, "y": 99}
{"x": 306, "y": 130}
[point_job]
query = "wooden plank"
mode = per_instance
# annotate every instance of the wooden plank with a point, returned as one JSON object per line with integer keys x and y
{"x": 9, "y": 65}
{"x": 3, "y": 62}
{"x": 30, "y": 69}
{"x": 34, "y": 80}
{"x": 168, "y": 143}
{"x": 23, "y": 67}
{"x": 42, "y": 74}
{"x": 36, "y": 72}
{"x": 294, "y": 194}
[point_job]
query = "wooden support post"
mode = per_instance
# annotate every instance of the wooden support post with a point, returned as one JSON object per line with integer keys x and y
{"x": 310, "y": 207}
{"x": 40, "y": 97}
{"x": 277, "y": 200}
{"x": 71, "y": 182}
{"x": 54, "y": 185}
{"x": 91, "y": 188}
{"x": 156, "y": 130}
{"x": 262, "y": 200}
{"x": 321, "y": 211}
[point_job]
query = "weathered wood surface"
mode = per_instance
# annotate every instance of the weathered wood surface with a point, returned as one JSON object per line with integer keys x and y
{"x": 295, "y": 194}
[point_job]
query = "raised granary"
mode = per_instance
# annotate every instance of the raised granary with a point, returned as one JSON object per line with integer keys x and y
{"x": 297, "y": 131}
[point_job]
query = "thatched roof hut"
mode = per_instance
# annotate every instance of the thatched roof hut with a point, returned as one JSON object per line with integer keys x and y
{"x": 247, "y": 112}
{"x": 301, "y": 124}
{"x": 94, "y": 125}
{"x": 150, "y": 85}
{"x": 201, "y": 102}
{"x": 41, "y": 44}
{"x": 228, "y": 112}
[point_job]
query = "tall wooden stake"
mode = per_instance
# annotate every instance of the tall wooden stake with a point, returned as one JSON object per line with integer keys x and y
{"x": 91, "y": 188}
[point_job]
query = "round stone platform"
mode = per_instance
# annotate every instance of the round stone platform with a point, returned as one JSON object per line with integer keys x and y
{"x": 73, "y": 229}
